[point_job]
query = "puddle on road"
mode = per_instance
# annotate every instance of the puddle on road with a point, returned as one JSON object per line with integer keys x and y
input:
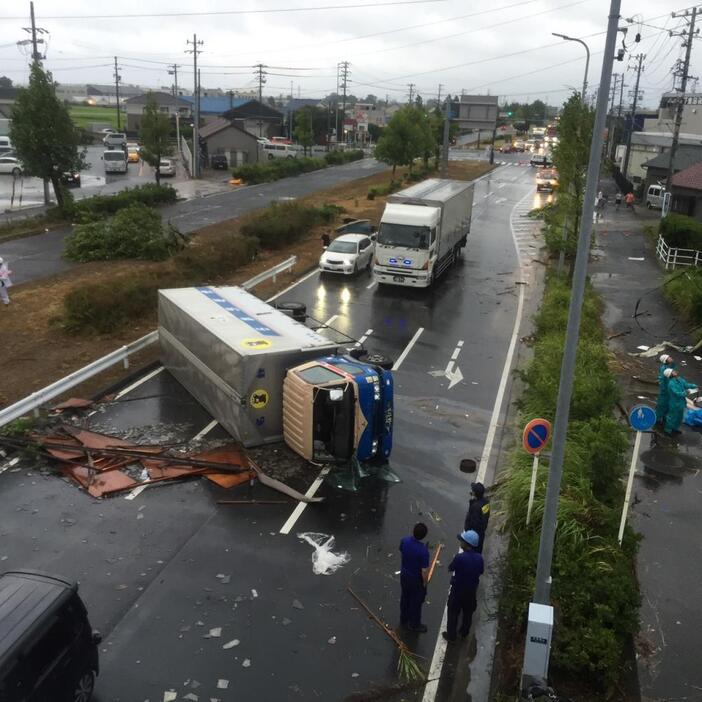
{"x": 669, "y": 461}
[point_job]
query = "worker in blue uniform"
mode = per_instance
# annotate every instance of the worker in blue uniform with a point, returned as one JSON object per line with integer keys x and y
{"x": 677, "y": 400}
{"x": 666, "y": 362}
{"x": 466, "y": 567}
{"x": 413, "y": 578}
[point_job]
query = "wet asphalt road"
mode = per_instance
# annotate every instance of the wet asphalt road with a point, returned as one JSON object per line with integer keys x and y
{"x": 40, "y": 256}
{"x": 148, "y": 567}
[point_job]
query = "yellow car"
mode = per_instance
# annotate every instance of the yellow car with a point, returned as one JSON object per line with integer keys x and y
{"x": 133, "y": 153}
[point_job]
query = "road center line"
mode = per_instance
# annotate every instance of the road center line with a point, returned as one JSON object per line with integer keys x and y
{"x": 290, "y": 523}
{"x": 362, "y": 340}
{"x": 408, "y": 348}
{"x": 437, "y": 661}
{"x": 330, "y": 320}
{"x": 371, "y": 284}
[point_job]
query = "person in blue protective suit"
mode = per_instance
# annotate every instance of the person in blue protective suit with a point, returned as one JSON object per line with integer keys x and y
{"x": 466, "y": 569}
{"x": 662, "y": 403}
{"x": 677, "y": 400}
{"x": 413, "y": 578}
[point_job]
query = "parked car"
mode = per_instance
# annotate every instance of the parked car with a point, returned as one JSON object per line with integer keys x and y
{"x": 133, "y": 150}
{"x": 10, "y": 164}
{"x": 654, "y": 196}
{"x": 115, "y": 140}
{"x": 48, "y": 650}
{"x": 275, "y": 150}
{"x": 347, "y": 254}
{"x": 107, "y": 130}
{"x": 219, "y": 161}
{"x": 166, "y": 167}
{"x": 71, "y": 180}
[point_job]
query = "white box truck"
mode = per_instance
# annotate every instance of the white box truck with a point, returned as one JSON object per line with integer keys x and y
{"x": 422, "y": 232}
{"x": 115, "y": 161}
{"x": 266, "y": 377}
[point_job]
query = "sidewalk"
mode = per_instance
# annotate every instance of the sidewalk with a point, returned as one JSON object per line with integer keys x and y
{"x": 665, "y": 508}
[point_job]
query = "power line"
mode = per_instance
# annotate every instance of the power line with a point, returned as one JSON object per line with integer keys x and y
{"x": 229, "y": 12}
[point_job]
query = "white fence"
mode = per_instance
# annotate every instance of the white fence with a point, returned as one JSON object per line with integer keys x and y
{"x": 33, "y": 402}
{"x": 673, "y": 258}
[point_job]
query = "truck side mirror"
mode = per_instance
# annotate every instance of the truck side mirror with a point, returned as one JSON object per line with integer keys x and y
{"x": 336, "y": 394}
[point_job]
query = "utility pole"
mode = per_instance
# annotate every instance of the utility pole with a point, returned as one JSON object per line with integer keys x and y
{"x": 438, "y": 98}
{"x": 616, "y": 132}
{"x": 173, "y": 71}
{"x": 542, "y": 592}
{"x": 260, "y": 75}
{"x": 344, "y": 77}
{"x": 610, "y": 113}
{"x": 196, "y": 104}
{"x": 640, "y": 58}
{"x": 690, "y": 15}
{"x": 411, "y": 92}
{"x": 445, "y": 143}
{"x": 118, "y": 78}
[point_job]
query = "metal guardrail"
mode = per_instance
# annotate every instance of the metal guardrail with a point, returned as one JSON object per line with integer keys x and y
{"x": 286, "y": 265}
{"x": 33, "y": 402}
{"x": 673, "y": 257}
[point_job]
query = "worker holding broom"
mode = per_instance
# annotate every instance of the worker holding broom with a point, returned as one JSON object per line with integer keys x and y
{"x": 413, "y": 578}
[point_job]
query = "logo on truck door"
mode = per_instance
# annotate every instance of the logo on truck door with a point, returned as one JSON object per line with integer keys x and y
{"x": 256, "y": 343}
{"x": 259, "y": 399}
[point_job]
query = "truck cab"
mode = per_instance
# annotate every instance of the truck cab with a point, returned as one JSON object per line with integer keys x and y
{"x": 115, "y": 161}
{"x": 337, "y": 408}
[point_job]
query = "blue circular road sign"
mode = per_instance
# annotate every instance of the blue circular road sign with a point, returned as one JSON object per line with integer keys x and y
{"x": 536, "y": 434}
{"x": 642, "y": 417}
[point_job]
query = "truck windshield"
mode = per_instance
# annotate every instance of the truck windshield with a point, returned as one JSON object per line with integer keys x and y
{"x": 114, "y": 156}
{"x": 407, "y": 235}
{"x": 318, "y": 374}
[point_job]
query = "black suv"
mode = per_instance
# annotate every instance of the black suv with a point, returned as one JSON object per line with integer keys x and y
{"x": 48, "y": 652}
{"x": 219, "y": 161}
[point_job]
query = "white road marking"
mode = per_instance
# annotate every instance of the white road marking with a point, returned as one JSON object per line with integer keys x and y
{"x": 314, "y": 271}
{"x": 331, "y": 319}
{"x": 290, "y": 523}
{"x": 437, "y": 661}
{"x": 454, "y": 356}
{"x": 137, "y": 383}
{"x": 361, "y": 341}
{"x": 371, "y": 284}
{"x": 9, "y": 464}
{"x": 408, "y": 348}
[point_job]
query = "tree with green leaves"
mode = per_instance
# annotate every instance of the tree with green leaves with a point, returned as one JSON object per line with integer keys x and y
{"x": 304, "y": 128}
{"x": 407, "y": 137}
{"x": 155, "y": 135}
{"x": 46, "y": 140}
{"x": 5, "y": 82}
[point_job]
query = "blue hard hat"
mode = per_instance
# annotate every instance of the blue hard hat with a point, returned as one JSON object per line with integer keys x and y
{"x": 470, "y": 537}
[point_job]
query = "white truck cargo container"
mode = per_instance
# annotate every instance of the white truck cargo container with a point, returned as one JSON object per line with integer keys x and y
{"x": 422, "y": 232}
{"x": 266, "y": 377}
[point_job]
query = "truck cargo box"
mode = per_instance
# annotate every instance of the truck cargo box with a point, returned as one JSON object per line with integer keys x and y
{"x": 231, "y": 351}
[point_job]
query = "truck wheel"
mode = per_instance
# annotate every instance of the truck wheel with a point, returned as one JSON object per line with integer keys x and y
{"x": 377, "y": 359}
{"x": 296, "y": 310}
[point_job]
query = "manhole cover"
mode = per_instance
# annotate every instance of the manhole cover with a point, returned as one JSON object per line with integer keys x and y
{"x": 468, "y": 465}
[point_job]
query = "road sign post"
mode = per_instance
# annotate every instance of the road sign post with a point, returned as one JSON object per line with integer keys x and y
{"x": 536, "y": 434}
{"x": 642, "y": 418}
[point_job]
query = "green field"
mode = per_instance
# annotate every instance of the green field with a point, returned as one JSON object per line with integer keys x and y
{"x": 84, "y": 115}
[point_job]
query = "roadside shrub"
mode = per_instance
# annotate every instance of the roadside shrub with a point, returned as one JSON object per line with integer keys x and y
{"x": 684, "y": 291}
{"x": 336, "y": 158}
{"x": 135, "y": 232}
{"x": 380, "y": 190}
{"x": 204, "y": 259}
{"x": 98, "y": 207}
{"x": 594, "y": 592}
{"x": 681, "y": 232}
{"x": 285, "y": 222}
{"x": 275, "y": 169}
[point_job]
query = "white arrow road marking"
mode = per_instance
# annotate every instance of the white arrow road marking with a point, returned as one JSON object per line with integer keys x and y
{"x": 455, "y": 377}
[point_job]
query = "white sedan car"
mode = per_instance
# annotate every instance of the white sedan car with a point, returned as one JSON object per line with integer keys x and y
{"x": 166, "y": 167}
{"x": 347, "y": 254}
{"x": 10, "y": 164}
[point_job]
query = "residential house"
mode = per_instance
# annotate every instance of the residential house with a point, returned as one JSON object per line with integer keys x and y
{"x": 657, "y": 168}
{"x": 686, "y": 191}
{"x": 222, "y": 136}
{"x": 7, "y": 101}
{"x": 256, "y": 118}
{"x": 167, "y": 103}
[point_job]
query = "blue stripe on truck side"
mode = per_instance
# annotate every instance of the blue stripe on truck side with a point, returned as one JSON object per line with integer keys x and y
{"x": 238, "y": 312}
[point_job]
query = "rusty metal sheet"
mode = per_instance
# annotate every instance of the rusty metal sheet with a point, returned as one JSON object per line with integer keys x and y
{"x": 73, "y": 403}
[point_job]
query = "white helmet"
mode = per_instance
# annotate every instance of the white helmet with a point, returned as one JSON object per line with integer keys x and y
{"x": 2, "y": 260}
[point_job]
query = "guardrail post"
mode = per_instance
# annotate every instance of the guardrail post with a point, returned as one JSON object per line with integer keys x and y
{"x": 675, "y": 258}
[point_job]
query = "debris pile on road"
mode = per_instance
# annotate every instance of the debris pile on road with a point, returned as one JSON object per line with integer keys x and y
{"x": 103, "y": 464}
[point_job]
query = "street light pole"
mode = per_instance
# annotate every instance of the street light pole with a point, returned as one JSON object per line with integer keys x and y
{"x": 587, "y": 58}
{"x": 535, "y": 650}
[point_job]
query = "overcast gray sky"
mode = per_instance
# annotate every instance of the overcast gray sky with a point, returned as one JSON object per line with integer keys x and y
{"x": 462, "y": 45}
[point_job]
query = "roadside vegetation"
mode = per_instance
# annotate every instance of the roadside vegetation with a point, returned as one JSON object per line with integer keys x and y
{"x": 275, "y": 169}
{"x": 595, "y": 592}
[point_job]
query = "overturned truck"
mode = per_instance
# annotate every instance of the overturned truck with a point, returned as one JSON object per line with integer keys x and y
{"x": 266, "y": 377}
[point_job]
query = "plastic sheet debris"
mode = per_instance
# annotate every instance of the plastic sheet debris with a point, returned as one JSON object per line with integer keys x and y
{"x": 231, "y": 644}
{"x": 324, "y": 560}
{"x": 246, "y": 663}
{"x": 222, "y": 684}
{"x": 72, "y": 403}
{"x": 170, "y": 695}
{"x": 297, "y": 604}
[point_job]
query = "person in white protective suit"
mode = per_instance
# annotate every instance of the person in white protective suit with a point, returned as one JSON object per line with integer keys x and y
{"x": 5, "y": 281}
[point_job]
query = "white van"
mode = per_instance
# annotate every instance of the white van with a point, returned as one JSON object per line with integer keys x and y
{"x": 115, "y": 161}
{"x": 5, "y": 144}
{"x": 654, "y": 197}
{"x": 273, "y": 150}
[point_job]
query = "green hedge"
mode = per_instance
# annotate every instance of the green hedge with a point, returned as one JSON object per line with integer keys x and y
{"x": 683, "y": 289}
{"x": 275, "y": 169}
{"x": 285, "y": 222}
{"x": 134, "y": 232}
{"x": 594, "y": 592}
{"x": 97, "y": 207}
{"x": 681, "y": 232}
